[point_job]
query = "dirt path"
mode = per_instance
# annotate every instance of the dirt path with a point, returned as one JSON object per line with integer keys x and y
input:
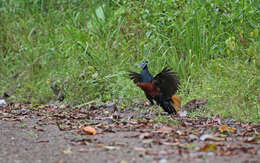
{"x": 52, "y": 134}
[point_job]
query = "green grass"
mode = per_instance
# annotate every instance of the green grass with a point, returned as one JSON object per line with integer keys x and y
{"x": 165, "y": 119}
{"x": 231, "y": 87}
{"x": 86, "y": 48}
{"x": 32, "y": 134}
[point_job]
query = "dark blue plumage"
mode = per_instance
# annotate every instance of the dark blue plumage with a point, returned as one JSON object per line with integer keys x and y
{"x": 145, "y": 74}
{"x": 146, "y": 77}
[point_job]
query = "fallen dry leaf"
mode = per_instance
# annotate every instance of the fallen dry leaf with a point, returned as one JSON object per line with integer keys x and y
{"x": 85, "y": 150}
{"x": 187, "y": 146}
{"x": 193, "y": 137}
{"x": 139, "y": 149}
{"x": 225, "y": 128}
{"x": 100, "y": 145}
{"x": 111, "y": 147}
{"x": 13, "y": 118}
{"x": 123, "y": 161}
{"x": 252, "y": 140}
{"x": 90, "y": 130}
{"x": 145, "y": 135}
{"x": 43, "y": 141}
{"x": 211, "y": 137}
{"x": 38, "y": 128}
{"x": 194, "y": 104}
{"x": 179, "y": 132}
{"x": 151, "y": 153}
{"x": 153, "y": 137}
{"x": 67, "y": 151}
{"x": 165, "y": 129}
{"x": 208, "y": 148}
{"x": 217, "y": 118}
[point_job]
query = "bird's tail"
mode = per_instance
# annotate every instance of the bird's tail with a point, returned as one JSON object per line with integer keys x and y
{"x": 171, "y": 105}
{"x": 176, "y": 102}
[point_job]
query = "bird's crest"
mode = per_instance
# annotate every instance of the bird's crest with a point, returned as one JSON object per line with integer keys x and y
{"x": 143, "y": 64}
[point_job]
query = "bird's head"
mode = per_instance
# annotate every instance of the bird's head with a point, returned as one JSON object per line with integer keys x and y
{"x": 143, "y": 65}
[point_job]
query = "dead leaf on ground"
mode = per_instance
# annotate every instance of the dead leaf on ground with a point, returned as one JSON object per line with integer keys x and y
{"x": 145, "y": 135}
{"x": 179, "y": 132}
{"x": 67, "y": 151}
{"x": 13, "y": 118}
{"x": 151, "y": 153}
{"x": 86, "y": 150}
{"x": 123, "y": 161}
{"x": 111, "y": 147}
{"x": 43, "y": 141}
{"x": 211, "y": 137}
{"x": 87, "y": 130}
{"x": 208, "y": 148}
{"x": 139, "y": 149}
{"x": 194, "y": 104}
{"x": 187, "y": 146}
{"x": 193, "y": 137}
{"x": 251, "y": 140}
{"x": 38, "y": 128}
{"x": 165, "y": 129}
{"x": 225, "y": 128}
{"x": 217, "y": 118}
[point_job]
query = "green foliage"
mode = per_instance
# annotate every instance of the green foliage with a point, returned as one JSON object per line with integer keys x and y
{"x": 32, "y": 134}
{"x": 87, "y": 47}
{"x": 165, "y": 119}
{"x": 230, "y": 86}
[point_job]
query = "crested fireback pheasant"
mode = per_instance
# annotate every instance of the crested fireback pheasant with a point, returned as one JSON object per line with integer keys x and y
{"x": 160, "y": 88}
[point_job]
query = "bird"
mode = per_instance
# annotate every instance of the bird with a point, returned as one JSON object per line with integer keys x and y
{"x": 161, "y": 88}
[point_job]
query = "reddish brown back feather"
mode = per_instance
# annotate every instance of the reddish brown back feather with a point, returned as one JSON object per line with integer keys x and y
{"x": 148, "y": 88}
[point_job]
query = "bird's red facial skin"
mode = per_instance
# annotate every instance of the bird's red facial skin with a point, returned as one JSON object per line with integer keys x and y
{"x": 148, "y": 88}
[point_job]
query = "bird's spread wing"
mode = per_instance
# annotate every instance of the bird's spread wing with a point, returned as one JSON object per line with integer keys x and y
{"x": 136, "y": 77}
{"x": 167, "y": 82}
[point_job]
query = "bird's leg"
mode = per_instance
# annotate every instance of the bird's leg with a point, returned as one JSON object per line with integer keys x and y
{"x": 166, "y": 105}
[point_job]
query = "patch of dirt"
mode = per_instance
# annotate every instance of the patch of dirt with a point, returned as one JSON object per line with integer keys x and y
{"x": 60, "y": 134}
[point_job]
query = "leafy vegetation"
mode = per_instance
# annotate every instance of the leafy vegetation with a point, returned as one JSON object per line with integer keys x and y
{"x": 87, "y": 47}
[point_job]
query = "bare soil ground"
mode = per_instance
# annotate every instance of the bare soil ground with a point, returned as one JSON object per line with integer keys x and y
{"x": 58, "y": 134}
